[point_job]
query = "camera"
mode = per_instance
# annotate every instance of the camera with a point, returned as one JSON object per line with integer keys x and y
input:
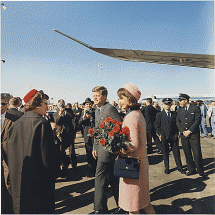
{"x": 91, "y": 112}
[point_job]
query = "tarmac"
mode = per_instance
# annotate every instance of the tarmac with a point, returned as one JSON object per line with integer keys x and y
{"x": 175, "y": 193}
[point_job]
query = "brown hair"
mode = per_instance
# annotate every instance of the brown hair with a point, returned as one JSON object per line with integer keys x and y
{"x": 132, "y": 100}
{"x": 14, "y": 101}
{"x": 36, "y": 101}
{"x": 100, "y": 88}
{"x": 149, "y": 100}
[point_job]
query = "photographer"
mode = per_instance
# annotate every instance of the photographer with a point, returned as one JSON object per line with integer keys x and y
{"x": 65, "y": 133}
{"x": 87, "y": 120}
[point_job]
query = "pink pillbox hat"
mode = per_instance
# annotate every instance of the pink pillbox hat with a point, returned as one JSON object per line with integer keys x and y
{"x": 131, "y": 88}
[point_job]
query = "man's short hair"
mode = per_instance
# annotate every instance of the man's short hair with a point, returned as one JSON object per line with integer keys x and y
{"x": 149, "y": 100}
{"x": 4, "y": 97}
{"x": 14, "y": 101}
{"x": 101, "y": 88}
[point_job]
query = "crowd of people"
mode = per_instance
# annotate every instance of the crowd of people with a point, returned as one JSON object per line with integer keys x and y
{"x": 36, "y": 135}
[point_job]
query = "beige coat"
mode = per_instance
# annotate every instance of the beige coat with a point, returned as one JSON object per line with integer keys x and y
{"x": 134, "y": 193}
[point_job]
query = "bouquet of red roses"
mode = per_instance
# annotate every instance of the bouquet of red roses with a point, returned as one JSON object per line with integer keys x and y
{"x": 110, "y": 134}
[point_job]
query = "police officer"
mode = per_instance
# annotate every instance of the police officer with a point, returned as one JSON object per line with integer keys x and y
{"x": 188, "y": 121}
{"x": 166, "y": 128}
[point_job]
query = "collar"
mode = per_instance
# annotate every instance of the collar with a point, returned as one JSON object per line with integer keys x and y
{"x": 187, "y": 106}
{"x": 3, "y": 115}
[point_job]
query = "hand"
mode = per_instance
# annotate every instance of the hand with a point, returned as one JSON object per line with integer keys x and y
{"x": 123, "y": 151}
{"x": 89, "y": 116}
{"x": 95, "y": 154}
{"x": 53, "y": 125}
{"x": 186, "y": 133}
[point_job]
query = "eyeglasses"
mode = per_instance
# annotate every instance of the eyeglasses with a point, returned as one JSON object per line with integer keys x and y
{"x": 3, "y": 103}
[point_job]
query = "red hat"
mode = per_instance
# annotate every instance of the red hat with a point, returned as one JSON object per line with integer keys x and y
{"x": 29, "y": 95}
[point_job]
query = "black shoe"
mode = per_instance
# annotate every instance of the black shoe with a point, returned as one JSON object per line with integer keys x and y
{"x": 190, "y": 173}
{"x": 182, "y": 171}
{"x": 119, "y": 211}
{"x": 167, "y": 171}
{"x": 99, "y": 212}
{"x": 204, "y": 176}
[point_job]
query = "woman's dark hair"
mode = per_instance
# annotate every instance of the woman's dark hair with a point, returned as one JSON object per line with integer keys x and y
{"x": 36, "y": 100}
{"x": 133, "y": 102}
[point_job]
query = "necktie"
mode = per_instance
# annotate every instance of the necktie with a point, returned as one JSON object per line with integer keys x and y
{"x": 168, "y": 114}
{"x": 185, "y": 110}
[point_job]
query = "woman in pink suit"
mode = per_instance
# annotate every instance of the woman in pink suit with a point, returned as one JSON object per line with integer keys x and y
{"x": 134, "y": 193}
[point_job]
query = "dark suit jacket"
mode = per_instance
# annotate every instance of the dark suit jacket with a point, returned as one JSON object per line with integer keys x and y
{"x": 190, "y": 120}
{"x": 87, "y": 123}
{"x": 150, "y": 115}
{"x": 15, "y": 114}
{"x": 107, "y": 110}
{"x": 65, "y": 127}
{"x": 165, "y": 126}
{"x": 32, "y": 164}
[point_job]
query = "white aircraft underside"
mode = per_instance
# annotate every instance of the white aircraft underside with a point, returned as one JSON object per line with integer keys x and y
{"x": 170, "y": 58}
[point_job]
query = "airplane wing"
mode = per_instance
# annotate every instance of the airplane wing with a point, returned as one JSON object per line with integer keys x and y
{"x": 170, "y": 58}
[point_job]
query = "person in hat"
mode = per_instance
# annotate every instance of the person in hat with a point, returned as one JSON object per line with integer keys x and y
{"x": 105, "y": 160}
{"x": 203, "y": 125}
{"x": 166, "y": 128}
{"x": 188, "y": 121}
{"x": 32, "y": 158}
{"x": 134, "y": 193}
{"x": 65, "y": 133}
{"x": 87, "y": 120}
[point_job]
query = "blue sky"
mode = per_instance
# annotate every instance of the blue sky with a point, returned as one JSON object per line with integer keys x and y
{"x": 37, "y": 57}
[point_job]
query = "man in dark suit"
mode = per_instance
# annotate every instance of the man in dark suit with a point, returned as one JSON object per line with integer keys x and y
{"x": 188, "y": 121}
{"x": 65, "y": 133}
{"x": 7, "y": 120}
{"x": 77, "y": 114}
{"x": 150, "y": 115}
{"x": 13, "y": 109}
{"x": 87, "y": 120}
{"x": 105, "y": 160}
{"x": 166, "y": 128}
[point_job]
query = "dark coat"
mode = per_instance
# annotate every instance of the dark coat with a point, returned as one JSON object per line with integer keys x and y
{"x": 165, "y": 126}
{"x": 107, "y": 110}
{"x": 190, "y": 120}
{"x": 32, "y": 165}
{"x": 15, "y": 114}
{"x": 77, "y": 114}
{"x": 87, "y": 123}
{"x": 65, "y": 127}
{"x": 150, "y": 115}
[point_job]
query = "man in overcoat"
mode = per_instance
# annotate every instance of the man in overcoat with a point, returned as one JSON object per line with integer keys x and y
{"x": 105, "y": 160}
{"x": 65, "y": 133}
{"x": 188, "y": 121}
{"x": 87, "y": 120}
{"x": 166, "y": 128}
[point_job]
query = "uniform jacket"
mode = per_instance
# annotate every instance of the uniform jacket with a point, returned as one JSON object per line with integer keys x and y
{"x": 65, "y": 127}
{"x": 190, "y": 120}
{"x": 15, "y": 114}
{"x": 165, "y": 126}
{"x": 107, "y": 110}
{"x": 32, "y": 164}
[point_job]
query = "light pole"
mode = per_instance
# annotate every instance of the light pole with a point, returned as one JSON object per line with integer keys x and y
{"x": 100, "y": 68}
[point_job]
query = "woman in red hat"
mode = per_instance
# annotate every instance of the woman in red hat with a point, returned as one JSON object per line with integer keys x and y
{"x": 32, "y": 158}
{"x": 134, "y": 193}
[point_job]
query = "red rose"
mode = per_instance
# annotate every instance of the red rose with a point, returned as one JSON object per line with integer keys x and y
{"x": 108, "y": 119}
{"x": 116, "y": 129}
{"x": 101, "y": 126}
{"x": 111, "y": 133}
{"x": 102, "y": 142}
{"x": 92, "y": 135}
{"x": 119, "y": 123}
{"x": 91, "y": 130}
{"x": 114, "y": 121}
{"x": 125, "y": 130}
{"x": 103, "y": 122}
